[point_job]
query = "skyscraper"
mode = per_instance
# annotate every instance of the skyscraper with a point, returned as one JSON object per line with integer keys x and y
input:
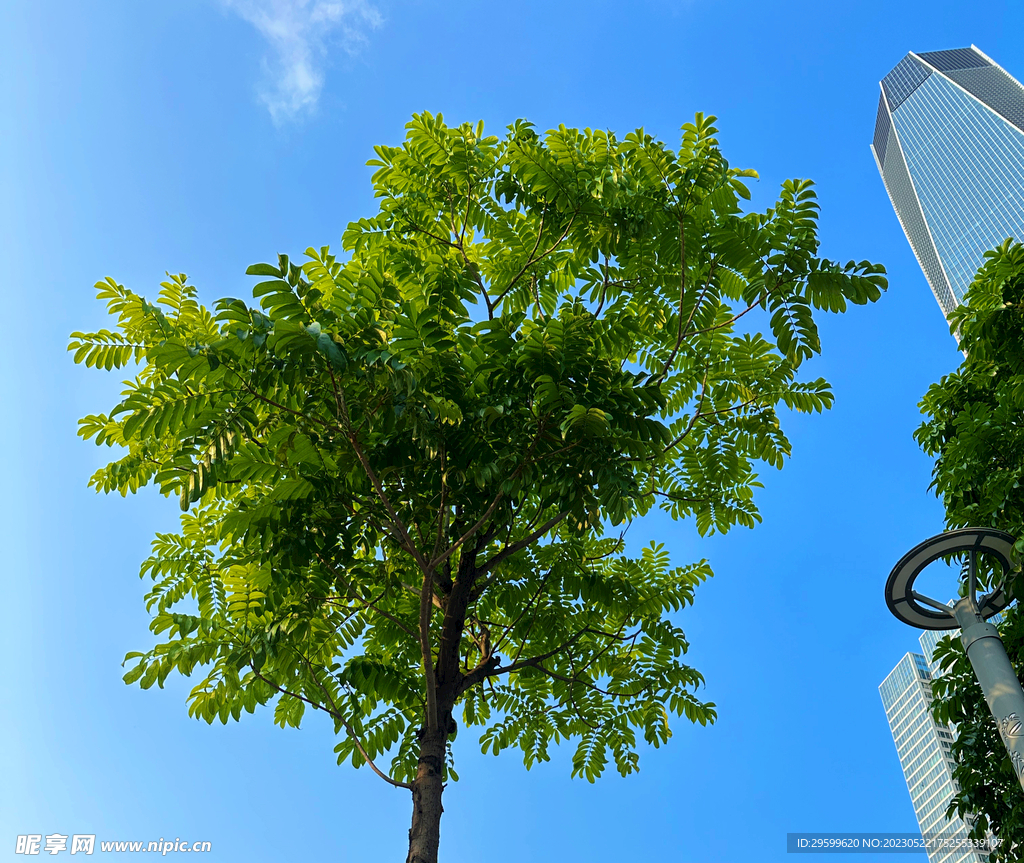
{"x": 923, "y": 749}
{"x": 949, "y": 143}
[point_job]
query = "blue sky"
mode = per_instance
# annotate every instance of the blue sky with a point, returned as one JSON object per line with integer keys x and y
{"x": 202, "y": 136}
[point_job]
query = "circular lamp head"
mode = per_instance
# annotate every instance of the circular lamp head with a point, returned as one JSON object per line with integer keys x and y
{"x": 899, "y": 589}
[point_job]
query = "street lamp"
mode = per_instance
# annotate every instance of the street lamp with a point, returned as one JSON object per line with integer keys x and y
{"x": 981, "y": 640}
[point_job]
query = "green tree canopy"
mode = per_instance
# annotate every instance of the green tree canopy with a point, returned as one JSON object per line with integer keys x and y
{"x": 406, "y": 471}
{"x": 974, "y": 431}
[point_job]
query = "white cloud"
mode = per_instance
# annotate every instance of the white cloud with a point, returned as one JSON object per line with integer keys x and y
{"x": 301, "y": 33}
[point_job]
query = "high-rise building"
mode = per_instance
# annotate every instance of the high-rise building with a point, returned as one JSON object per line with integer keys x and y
{"x": 949, "y": 143}
{"x": 923, "y": 747}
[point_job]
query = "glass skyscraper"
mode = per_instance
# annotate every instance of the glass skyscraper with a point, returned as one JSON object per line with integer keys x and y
{"x": 923, "y": 749}
{"x": 949, "y": 143}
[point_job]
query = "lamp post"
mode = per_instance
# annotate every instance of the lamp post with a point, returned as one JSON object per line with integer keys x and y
{"x": 981, "y": 640}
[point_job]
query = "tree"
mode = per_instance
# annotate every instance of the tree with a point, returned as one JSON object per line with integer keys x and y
{"x": 406, "y": 475}
{"x": 974, "y": 431}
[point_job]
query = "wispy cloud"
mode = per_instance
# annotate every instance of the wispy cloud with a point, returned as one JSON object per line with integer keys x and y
{"x": 301, "y": 34}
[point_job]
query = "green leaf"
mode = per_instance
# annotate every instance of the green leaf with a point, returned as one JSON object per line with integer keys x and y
{"x": 263, "y": 270}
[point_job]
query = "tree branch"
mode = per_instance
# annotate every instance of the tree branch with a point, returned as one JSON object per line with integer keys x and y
{"x": 682, "y": 294}
{"x": 378, "y": 487}
{"x": 469, "y": 533}
{"x": 572, "y": 681}
{"x": 418, "y": 229}
{"x": 693, "y": 420}
{"x": 348, "y": 728}
{"x": 699, "y": 415}
{"x": 430, "y": 676}
{"x": 494, "y": 503}
{"x": 426, "y": 591}
{"x": 533, "y": 662}
{"x": 442, "y": 512}
{"x": 531, "y": 261}
{"x": 527, "y": 607}
{"x": 370, "y": 605}
{"x": 727, "y": 323}
{"x": 519, "y": 545}
{"x": 282, "y": 407}
{"x": 700, "y": 299}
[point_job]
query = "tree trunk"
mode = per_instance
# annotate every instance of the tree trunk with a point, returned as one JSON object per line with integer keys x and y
{"x": 425, "y": 833}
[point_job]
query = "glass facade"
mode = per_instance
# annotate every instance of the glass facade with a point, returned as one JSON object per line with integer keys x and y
{"x": 949, "y": 143}
{"x": 923, "y": 747}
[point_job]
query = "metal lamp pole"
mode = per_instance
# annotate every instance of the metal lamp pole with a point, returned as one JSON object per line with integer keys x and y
{"x": 981, "y": 640}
